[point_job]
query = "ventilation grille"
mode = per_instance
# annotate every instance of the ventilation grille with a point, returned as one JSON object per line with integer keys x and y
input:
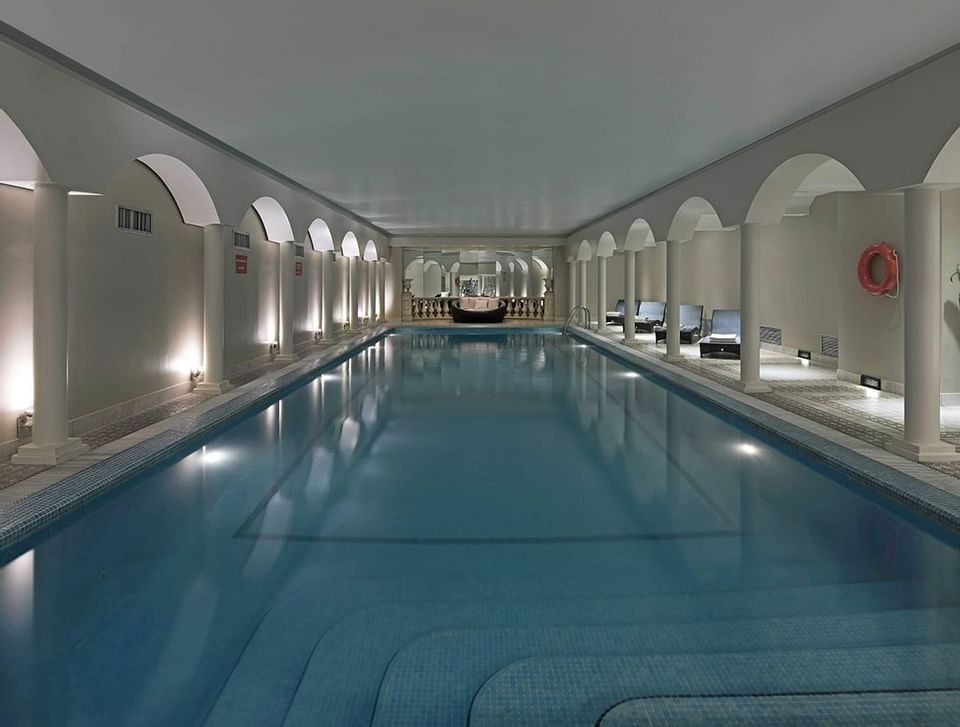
{"x": 241, "y": 240}
{"x": 830, "y": 346}
{"x": 133, "y": 220}
{"x": 298, "y": 250}
{"x": 771, "y": 335}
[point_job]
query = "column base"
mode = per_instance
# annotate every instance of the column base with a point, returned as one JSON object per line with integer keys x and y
{"x": 752, "y": 387}
{"x": 286, "y": 358}
{"x": 674, "y": 358}
{"x": 931, "y": 452}
{"x": 207, "y": 388}
{"x": 50, "y": 454}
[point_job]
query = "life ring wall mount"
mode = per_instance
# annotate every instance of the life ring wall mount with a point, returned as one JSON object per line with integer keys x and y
{"x": 890, "y": 281}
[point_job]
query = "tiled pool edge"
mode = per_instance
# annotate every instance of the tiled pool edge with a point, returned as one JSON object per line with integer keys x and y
{"x": 863, "y": 462}
{"x": 26, "y": 517}
{"x": 885, "y": 472}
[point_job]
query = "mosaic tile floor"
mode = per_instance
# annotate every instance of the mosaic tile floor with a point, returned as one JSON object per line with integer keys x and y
{"x": 815, "y": 393}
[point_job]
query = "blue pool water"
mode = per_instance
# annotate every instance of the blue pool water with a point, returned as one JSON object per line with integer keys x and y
{"x": 500, "y": 528}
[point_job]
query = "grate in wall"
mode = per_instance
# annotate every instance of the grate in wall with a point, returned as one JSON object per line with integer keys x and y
{"x": 771, "y": 335}
{"x": 830, "y": 346}
{"x": 133, "y": 220}
{"x": 241, "y": 240}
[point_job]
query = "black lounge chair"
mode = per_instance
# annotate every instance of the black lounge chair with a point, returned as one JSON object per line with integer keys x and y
{"x": 617, "y": 316}
{"x": 691, "y": 323}
{"x": 724, "y": 338}
{"x": 479, "y": 314}
{"x": 650, "y": 315}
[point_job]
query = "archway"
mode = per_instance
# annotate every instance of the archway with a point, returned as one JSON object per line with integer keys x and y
{"x": 20, "y": 166}
{"x": 692, "y": 216}
{"x": 639, "y": 236}
{"x": 321, "y": 239}
{"x": 190, "y": 194}
{"x": 349, "y": 246}
{"x": 274, "y": 219}
{"x": 946, "y": 167}
{"x": 791, "y": 188}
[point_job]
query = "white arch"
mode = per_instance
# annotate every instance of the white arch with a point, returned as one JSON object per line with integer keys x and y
{"x": 795, "y": 183}
{"x": 583, "y": 251}
{"x": 19, "y": 163}
{"x": 946, "y": 167}
{"x": 320, "y": 236}
{"x": 187, "y": 189}
{"x": 349, "y": 247}
{"x": 694, "y": 214}
{"x": 370, "y": 253}
{"x": 274, "y": 219}
{"x": 606, "y": 245}
{"x": 639, "y": 236}
{"x": 544, "y": 268}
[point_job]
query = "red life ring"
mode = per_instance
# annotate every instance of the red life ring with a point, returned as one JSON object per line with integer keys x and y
{"x": 891, "y": 278}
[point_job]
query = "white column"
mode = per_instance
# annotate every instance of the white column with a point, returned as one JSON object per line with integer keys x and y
{"x": 354, "y": 313}
{"x": 750, "y": 310}
{"x": 672, "y": 317}
{"x": 372, "y": 291}
{"x": 214, "y": 246}
{"x": 382, "y": 290}
{"x": 582, "y": 287}
{"x": 629, "y": 294}
{"x": 50, "y": 443}
{"x": 601, "y": 292}
{"x": 286, "y": 264}
{"x": 327, "y": 294}
{"x": 572, "y": 267}
{"x": 920, "y": 277}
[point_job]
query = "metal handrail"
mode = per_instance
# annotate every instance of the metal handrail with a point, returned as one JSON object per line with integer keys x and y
{"x": 573, "y": 314}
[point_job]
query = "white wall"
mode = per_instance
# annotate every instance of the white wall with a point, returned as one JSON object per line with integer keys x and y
{"x": 950, "y": 334}
{"x": 870, "y": 327}
{"x": 16, "y": 307}
{"x": 710, "y": 271}
{"x": 303, "y": 321}
{"x": 135, "y": 301}
{"x": 799, "y": 288}
{"x": 250, "y": 300}
{"x": 652, "y": 273}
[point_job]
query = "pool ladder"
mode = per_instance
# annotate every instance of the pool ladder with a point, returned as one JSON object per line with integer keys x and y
{"x": 574, "y": 313}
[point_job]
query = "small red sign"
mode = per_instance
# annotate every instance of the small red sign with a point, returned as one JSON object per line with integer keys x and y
{"x": 298, "y": 267}
{"x": 240, "y": 264}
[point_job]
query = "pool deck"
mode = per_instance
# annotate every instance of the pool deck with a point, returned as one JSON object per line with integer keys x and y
{"x": 852, "y": 417}
{"x": 32, "y": 497}
{"x": 840, "y": 423}
{"x": 813, "y": 392}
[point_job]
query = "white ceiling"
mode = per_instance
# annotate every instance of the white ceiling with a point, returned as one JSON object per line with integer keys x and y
{"x": 493, "y": 116}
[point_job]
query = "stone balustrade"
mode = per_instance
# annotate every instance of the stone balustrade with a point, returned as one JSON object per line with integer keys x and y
{"x": 518, "y": 308}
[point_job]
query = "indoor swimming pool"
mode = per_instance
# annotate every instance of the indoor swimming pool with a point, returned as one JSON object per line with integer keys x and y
{"x": 483, "y": 527}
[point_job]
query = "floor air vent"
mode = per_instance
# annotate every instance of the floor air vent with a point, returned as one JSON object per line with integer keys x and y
{"x": 771, "y": 335}
{"x": 830, "y": 346}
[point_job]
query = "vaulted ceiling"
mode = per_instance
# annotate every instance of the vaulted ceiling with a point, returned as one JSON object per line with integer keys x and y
{"x": 494, "y": 117}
